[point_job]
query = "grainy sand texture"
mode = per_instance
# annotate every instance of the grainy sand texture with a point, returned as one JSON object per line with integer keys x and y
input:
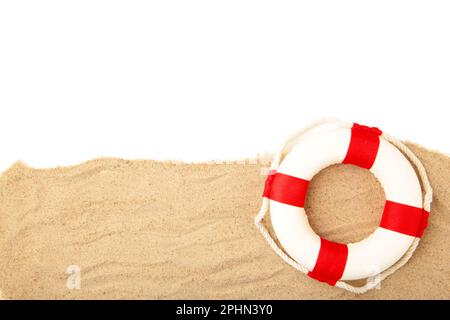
{"x": 156, "y": 230}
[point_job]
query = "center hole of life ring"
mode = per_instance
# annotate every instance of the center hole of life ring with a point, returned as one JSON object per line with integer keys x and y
{"x": 344, "y": 203}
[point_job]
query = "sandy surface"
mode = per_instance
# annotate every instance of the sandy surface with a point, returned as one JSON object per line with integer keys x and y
{"x": 154, "y": 230}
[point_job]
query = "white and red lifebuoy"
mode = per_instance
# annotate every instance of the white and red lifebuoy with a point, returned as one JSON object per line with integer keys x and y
{"x": 403, "y": 219}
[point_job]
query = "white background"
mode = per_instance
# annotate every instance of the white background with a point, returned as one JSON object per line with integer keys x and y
{"x": 199, "y": 80}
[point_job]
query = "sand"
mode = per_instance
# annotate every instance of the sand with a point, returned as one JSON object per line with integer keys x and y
{"x": 158, "y": 230}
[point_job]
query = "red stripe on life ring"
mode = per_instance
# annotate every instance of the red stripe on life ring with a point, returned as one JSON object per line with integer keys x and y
{"x": 404, "y": 219}
{"x": 363, "y": 148}
{"x": 286, "y": 189}
{"x": 423, "y": 224}
{"x": 330, "y": 263}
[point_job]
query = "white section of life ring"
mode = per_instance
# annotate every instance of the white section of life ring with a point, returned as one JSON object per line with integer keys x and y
{"x": 382, "y": 248}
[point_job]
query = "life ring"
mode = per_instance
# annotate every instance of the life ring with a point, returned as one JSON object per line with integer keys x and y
{"x": 403, "y": 220}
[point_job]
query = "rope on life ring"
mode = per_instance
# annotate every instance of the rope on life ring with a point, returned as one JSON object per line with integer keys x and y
{"x": 287, "y": 147}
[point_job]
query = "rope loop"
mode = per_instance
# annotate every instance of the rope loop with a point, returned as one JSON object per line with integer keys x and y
{"x": 287, "y": 147}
